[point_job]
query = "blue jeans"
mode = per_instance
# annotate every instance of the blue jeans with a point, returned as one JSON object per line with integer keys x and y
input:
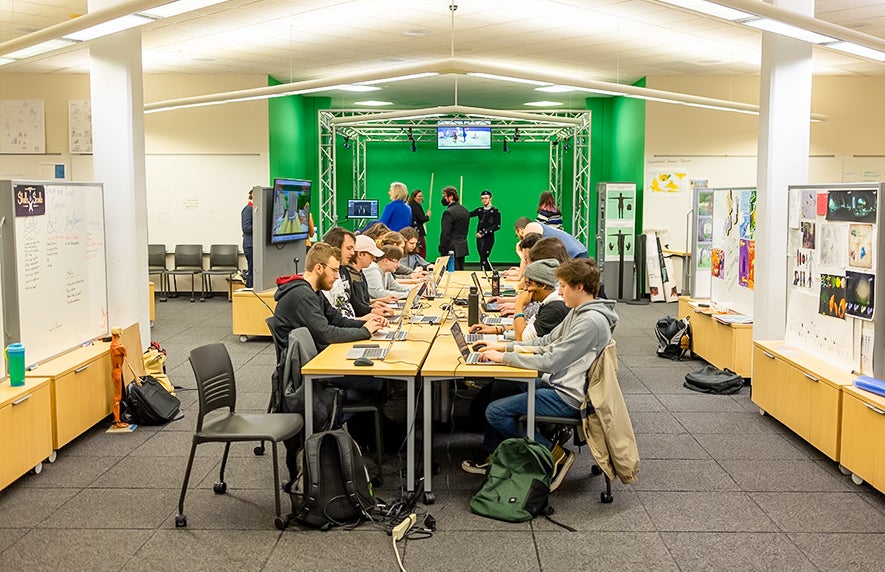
{"x": 503, "y": 414}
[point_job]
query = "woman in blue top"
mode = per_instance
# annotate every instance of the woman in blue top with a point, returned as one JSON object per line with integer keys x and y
{"x": 397, "y": 214}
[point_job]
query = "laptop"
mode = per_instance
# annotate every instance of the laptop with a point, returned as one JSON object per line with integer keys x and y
{"x": 439, "y": 268}
{"x": 487, "y": 306}
{"x": 470, "y": 357}
{"x": 408, "y": 305}
{"x": 375, "y": 353}
{"x": 495, "y": 320}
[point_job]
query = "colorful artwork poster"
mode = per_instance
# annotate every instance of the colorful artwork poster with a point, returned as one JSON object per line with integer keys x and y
{"x": 859, "y": 294}
{"x": 832, "y": 244}
{"x": 860, "y": 245}
{"x": 802, "y": 265}
{"x": 852, "y": 206}
{"x": 620, "y": 204}
{"x": 705, "y": 257}
{"x": 705, "y": 203}
{"x": 832, "y": 296}
{"x": 808, "y": 204}
{"x": 822, "y": 203}
{"x": 807, "y": 228}
{"x": 717, "y": 263}
{"x": 699, "y": 184}
{"x": 668, "y": 182}
{"x": 705, "y": 229}
{"x": 746, "y": 263}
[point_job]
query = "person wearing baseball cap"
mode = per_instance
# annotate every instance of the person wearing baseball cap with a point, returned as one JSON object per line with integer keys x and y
{"x": 489, "y": 222}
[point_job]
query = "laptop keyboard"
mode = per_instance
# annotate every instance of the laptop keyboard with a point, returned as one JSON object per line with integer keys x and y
{"x": 375, "y": 353}
{"x": 425, "y": 319}
{"x": 474, "y": 357}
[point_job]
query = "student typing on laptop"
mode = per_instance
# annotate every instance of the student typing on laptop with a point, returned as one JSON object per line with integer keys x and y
{"x": 562, "y": 357}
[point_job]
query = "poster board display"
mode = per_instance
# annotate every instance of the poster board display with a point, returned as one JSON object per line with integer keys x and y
{"x": 835, "y": 251}
{"x": 616, "y": 237}
{"x": 733, "y": 249}
{"x": 54, "y": 267}
{"x": 22, "y": 126}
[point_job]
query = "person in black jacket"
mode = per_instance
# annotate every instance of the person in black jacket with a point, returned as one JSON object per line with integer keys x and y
{"x": 300, "y": 303}
{"x": 246, "y": 223}
{"x": 419, "y": 218}
{"x": 489, "y": 223}
{"x": 453, "y": 227}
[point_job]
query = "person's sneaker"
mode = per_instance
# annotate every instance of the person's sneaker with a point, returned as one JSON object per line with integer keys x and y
{"x": 562, "y": 464}
{"x": 477, "y": 466}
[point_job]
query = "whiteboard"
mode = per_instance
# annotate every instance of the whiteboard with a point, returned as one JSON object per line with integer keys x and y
{"x": 197, "y": 199}
{"x": 55, "y": 278}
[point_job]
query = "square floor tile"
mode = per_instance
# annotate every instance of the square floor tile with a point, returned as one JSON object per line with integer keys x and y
{"x": 705, "y": 512}
{"x": 683, "y": 475}
{"x": 783, "y": 475}
{"x": 638, "y": 551}
{"x": 843, "y": 551}
{"x": 189, "y": 549}
{"x": 23, "y": 507}
{"x": 463, "y": 550}
{"x": 821, "y": 512}
{"x": 748, "y": 446}
{"x": 75, "y": 549}
{"x": 669, "y": 446}
{"x": 735, "y": 551}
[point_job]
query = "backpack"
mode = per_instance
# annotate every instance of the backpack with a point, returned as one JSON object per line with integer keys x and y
{"x": 335, "y": 482}
{"x": 674, "y": 338}
{"x": 154, "y": 359}
{"x": 517, "y": 484}
{"x": 710, "y": 379}
{"x": 146, "y": 402}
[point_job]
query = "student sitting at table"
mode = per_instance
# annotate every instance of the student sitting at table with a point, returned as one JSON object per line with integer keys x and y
{"x": 404, "y": 274}
{"x": 563, "y": 357}
{"x": 379, "y": 274}
{"x": 412, "y": 259}
{"x": 351, "y": 278}
{"x": 300, "y": 303}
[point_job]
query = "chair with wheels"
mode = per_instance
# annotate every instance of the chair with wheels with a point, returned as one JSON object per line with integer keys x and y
{"x": 354, "y": 401}
{"x": 157, "y": 266}
{"x": 223, "y": 261}
{"x": 217, "y": 390}
{"x": 188, "y": 262}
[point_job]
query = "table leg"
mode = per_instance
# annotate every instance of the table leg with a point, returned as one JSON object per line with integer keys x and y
{"x": 530, "y": 412}
{"x": 410, "y": 444}
{"x": 428, "y": 440}
{"x": 308, "y": 406}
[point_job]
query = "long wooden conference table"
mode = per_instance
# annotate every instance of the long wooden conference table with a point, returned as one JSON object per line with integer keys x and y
{"x": 429, "y": 354}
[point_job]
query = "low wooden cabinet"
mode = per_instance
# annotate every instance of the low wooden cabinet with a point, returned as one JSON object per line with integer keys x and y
{"x": 863, "y": 436}
{"x": 801, "y": 391}
{"x": 81, "y": 389}
{"x": 25, "y": 428}
{"x": 250, "y": 309}
{"x": 723, "y": 345}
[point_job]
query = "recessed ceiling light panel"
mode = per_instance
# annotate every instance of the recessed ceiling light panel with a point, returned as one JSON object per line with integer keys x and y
{"x": 542, "y": 103}
{"x": 417, "y": 32}
{"x": 373, "y": 103}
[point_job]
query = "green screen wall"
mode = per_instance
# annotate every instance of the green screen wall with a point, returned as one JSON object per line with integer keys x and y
{"x": 516, "y": 178}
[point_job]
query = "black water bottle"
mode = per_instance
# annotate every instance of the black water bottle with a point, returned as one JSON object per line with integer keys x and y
{"x": 473, "y": 306}
{"x": 496, "y": 283}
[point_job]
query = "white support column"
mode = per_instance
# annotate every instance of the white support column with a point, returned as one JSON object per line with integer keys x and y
{"x": 118, "y": 159}
{"x": 784, "y": 133}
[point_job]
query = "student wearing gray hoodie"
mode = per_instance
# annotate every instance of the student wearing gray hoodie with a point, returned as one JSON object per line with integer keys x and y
{"x": 562, "y": 357}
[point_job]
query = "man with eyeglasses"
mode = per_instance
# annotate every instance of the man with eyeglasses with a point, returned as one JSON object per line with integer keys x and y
{"x": 301, "y": 303}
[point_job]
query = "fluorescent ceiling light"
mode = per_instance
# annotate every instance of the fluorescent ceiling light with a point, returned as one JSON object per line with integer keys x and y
{"x": 373, "y": 103}
{"x": 783, "y": 29}
{"x": 556, "y": 89}
{"x": 4, "y": 61}
{"x": 109, "y": 27}
{"x": 710, "y": 8}
{"x": 857, "y": 50}
{"x": 542, "y": 103}
{"x": 359, "y": 88}
{"x": 399, "y": 78}
{"x": 180, "y": 7}
{"x": 507, "y": 78}
{"x": 40, "y": 48}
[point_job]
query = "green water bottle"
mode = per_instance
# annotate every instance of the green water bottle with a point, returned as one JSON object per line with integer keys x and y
{"x": 15, "y": 363}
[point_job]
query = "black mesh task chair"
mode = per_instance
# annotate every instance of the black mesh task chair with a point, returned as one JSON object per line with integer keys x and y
{"x": 354, "y": 402}
{"x": 223, "y": 261}
{"x": 217, "y": 390}
{"x": 157, "y": 266}
{"x": 188, "y": 262}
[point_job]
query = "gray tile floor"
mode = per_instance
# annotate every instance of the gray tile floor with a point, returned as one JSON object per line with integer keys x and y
{"x": 720, "y": 488}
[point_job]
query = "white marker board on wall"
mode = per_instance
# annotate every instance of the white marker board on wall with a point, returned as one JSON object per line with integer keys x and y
{"x": 197, "y": 199}
{"x": 54, "y": 267}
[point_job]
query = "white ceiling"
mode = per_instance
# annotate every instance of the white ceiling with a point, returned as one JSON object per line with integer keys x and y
{"x": 612, "y": 40}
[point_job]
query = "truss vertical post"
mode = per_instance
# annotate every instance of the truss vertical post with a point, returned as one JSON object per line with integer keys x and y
{"x": 581, "y": 222}
{"x": 359, "y": 168}
{"x": 327, "y": 185}
{"x": 554, "y": 178}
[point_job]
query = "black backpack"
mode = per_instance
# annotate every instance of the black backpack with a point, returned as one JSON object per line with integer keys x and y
{"x": 146, "y": 402}
{"x": 674, "y": 338}
{"x": 710, "y": 379}
{"x": 335, "y": 483}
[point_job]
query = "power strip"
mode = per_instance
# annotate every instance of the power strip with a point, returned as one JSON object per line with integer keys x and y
{"x": 405, "y": 526}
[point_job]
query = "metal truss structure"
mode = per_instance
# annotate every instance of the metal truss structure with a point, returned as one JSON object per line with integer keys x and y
{"x": 560, "y": 130}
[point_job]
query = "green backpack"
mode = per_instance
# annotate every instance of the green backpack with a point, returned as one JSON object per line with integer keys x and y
{"x": 517, "y": 483}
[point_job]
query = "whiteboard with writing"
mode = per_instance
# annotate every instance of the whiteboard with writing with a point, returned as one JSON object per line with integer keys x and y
{"x": 55, "y": 281}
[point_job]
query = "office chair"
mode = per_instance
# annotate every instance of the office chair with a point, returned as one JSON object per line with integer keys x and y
{"x": 157, "y": 266}
{"x": 188, "y": 261}
{"x": 217, "y": 390}
{"x": 352, "y": 404}
{"x": 223, "y": 261}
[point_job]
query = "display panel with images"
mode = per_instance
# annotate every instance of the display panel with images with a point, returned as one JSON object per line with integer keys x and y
{"x": 362, "y": 208}
{"x": 290, "y": 214}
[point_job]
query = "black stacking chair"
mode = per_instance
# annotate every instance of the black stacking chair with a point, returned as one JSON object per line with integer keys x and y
{"x": 157, "y": 266}
{"x": 223, "y": 261}
{"x": 217, "y": 390}
{"x": 188, "y": 262}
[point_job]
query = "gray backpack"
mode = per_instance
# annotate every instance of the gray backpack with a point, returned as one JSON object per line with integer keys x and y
{"x": 710, "y": 379}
